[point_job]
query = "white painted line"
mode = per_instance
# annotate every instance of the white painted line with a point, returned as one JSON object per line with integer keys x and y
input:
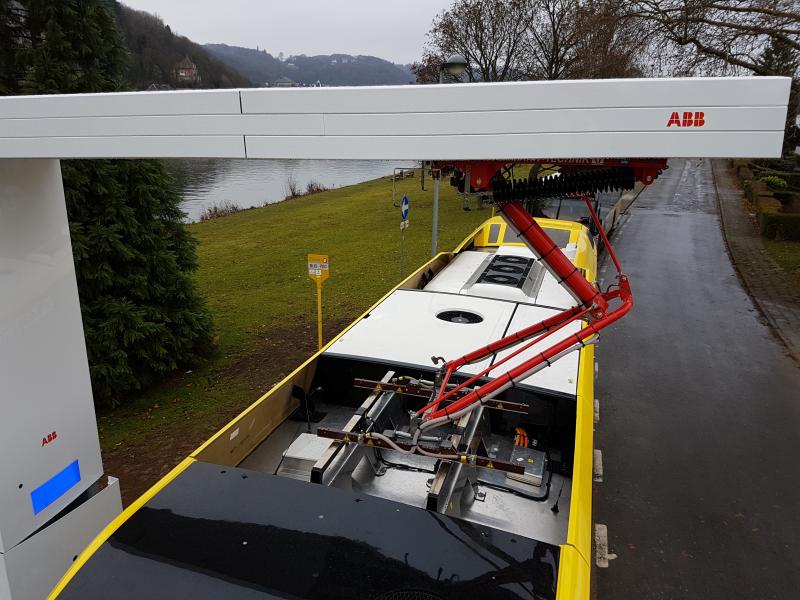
{"x": 598, "y": 466}
{"x": 602, "y": 555}
{"x": 596, "y": 410}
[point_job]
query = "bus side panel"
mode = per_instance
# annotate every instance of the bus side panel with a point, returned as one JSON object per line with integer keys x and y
{"x": 234, "y": 442}
{"x": 579, "y": 533}
{"x": 574, "y": 575}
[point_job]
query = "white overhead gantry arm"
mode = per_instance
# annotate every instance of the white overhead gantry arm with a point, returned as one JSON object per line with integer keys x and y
{"x": 49, "y": 450}
{"x": 554, "y": 119}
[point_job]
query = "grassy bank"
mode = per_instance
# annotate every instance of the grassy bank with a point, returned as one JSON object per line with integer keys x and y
{"x": 787, "y": 255}
{"x": 252, "y": 275}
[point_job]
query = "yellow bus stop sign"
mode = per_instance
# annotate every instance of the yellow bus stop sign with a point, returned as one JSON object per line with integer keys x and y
{"x": 318, "y": 267}
{"x": 318, "y": 271}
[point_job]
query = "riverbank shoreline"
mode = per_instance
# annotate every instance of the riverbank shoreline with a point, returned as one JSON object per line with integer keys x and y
{"x": 252, "y": 274}
{"x": 253, "y": 183}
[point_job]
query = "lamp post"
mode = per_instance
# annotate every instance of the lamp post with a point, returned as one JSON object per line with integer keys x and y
{"x": 436, "y": 175}
{"x": 455, "y": 65}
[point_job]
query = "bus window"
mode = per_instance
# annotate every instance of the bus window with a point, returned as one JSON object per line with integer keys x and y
{"x": 494, "y": 233}
{"x": 559, "y": 236}
{"x": 549, "y": 207}
{"x": 573, "y": 209}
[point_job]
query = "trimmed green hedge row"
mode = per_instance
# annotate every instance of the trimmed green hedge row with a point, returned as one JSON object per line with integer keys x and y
{"x": 773, "y": 224}
{"x": 777, "y": 225}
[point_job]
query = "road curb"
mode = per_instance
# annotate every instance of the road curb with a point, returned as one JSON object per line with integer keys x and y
{"x": 638, "y": 189}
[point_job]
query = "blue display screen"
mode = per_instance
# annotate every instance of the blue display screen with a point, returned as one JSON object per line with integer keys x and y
{"x": 55, "y": 487}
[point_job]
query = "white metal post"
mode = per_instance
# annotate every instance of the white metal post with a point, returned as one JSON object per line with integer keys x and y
{"x": 49, "y": 447}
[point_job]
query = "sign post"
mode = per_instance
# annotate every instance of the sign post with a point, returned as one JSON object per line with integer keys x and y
{"x": 318, "y": 271}
{"x": 403, "y": 226}
{"x": 436, "y": 175}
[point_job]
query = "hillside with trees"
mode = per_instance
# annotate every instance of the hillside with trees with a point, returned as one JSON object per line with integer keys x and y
{"x": 155, "y": 50}
{"x": 329, "y": 69}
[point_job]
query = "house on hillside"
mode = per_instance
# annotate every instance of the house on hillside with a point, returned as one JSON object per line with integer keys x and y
{"x": 283, "y": 82}
{"x": 186, "y": 72}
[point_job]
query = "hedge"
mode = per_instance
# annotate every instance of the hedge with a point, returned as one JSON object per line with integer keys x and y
{"x": 777, "y": 225}
{"x": 773, "y": 224}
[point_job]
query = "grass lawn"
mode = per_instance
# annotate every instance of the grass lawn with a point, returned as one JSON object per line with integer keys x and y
{"x": 787, "y": 255}
{"x": 252, "y": 274}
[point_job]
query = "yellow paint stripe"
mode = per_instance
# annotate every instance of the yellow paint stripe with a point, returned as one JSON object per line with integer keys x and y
{"x": 109, "y": 529}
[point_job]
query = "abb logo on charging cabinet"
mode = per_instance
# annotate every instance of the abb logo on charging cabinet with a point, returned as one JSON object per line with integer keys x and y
{"x": 689, "y": 119}
{"x": 50, "y": 437}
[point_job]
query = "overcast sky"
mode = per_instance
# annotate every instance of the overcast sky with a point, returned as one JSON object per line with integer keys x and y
{"x": 391, "y": 30}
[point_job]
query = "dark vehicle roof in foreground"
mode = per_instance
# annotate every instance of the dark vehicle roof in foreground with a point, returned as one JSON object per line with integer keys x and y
{"x": 222, "y": 532}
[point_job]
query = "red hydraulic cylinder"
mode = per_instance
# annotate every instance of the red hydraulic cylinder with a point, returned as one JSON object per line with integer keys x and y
{"x": 590, "y": 300}
{"x": 551, "y": 255}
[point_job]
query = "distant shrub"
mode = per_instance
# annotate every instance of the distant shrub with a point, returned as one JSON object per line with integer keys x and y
{"x": 291, "y": 189}
{"x": 313, "y": 187}
{"x": 219, "y": 210}
{"x": 774, "y": 182}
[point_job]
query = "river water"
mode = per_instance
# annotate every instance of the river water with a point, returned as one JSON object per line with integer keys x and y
{"x": 246, "y": 183}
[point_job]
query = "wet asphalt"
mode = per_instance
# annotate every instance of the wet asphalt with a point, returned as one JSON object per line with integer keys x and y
{"x": 699, "y": 416}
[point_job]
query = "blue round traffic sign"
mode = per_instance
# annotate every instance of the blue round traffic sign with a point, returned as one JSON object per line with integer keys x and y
{"x": 404, "y": 208}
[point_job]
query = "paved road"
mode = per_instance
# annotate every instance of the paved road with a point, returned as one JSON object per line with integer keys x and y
{"x": 699, "y": 416}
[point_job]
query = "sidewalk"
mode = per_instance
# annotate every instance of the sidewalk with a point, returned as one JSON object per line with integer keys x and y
{"x": 769, "y": 286}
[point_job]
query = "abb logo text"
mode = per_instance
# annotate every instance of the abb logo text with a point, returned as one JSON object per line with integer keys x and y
{"x": 49, "y": 438}
{"x": 689, "y": 119}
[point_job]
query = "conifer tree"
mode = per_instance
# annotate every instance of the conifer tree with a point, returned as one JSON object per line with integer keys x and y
{"x": 10, "y": 31}
{"x": 133, "y": 257}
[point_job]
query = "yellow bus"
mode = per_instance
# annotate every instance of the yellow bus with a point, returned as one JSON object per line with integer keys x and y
{"x": 312, "y": 491}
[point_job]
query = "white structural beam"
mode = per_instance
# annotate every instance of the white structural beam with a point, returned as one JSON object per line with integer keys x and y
{"x": 741, "y": 117}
